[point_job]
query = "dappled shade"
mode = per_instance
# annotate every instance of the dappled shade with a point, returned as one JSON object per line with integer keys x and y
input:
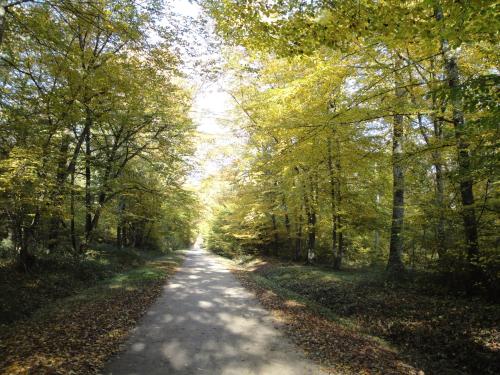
{"x": 206, "y": 322}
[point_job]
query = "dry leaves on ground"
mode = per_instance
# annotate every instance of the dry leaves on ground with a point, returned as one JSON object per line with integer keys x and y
{"x": 338, "y": 349}
{"x": 77, "y": 338}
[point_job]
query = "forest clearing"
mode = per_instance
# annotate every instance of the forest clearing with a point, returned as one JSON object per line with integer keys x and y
{"x": 262, "y": 187}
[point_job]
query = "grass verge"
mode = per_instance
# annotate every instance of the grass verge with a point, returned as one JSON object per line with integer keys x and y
{"x": 76, "y": 334}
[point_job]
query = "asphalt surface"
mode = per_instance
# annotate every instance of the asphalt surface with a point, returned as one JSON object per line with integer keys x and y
{"x": 205, "y": 322}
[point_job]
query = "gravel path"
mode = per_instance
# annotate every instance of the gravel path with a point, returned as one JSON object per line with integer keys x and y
{"x": 205, "y": 322}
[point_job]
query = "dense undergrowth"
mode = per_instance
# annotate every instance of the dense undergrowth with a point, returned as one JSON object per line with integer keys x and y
{"x": 429, "y": 328}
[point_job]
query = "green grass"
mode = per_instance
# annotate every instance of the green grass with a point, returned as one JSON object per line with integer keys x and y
{"x": 296, "y": 273}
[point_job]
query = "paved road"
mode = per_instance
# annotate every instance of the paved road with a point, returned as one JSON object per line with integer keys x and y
{"x": 205, "y": 322}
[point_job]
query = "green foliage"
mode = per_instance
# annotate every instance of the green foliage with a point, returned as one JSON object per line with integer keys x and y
{"x": 320, "y": 86}
{"x": 94, "y": 133}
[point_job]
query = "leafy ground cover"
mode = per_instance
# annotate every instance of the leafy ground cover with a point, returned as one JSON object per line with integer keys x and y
{"x": 355, "y": 322}
{"x": 76, "y": 334}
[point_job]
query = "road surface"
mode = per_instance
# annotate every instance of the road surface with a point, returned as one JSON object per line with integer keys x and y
{"x": 205, "y": 322}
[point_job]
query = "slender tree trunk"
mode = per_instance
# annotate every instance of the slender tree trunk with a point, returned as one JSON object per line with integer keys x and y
{"x": 26, "y": 259}
{"x": 275, "y": 234}
{"x": 119, "y": 227}
{"x": 376, "y": 235}
{"x": 311, "y": 223}
{"x": 438, "y": 166}
{"x": 300, "y": 220}
{"x": 25, "y": 239}
{"x": 439, "y": 176}
{"x": 395, "y": 263}
{"x": 298, "y": 237}
{"x": 287, "y": 225}
{"x": 72, "y": 213}
{"x": 311, "y": 236}
{"x": 438, "y": 182}
{"x": 333, "y": 200}
{"x": 3, "y": 10}
{"x": 57, "y": 198}
{"x": 376, "y": 245}
{"x": 464, "y": 160}
{"x": 339, "y": 221}
{"x": 88, "y": 182}
{"x": 466, "y": 182}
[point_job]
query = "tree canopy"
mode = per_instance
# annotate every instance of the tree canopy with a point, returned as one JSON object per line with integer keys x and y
{"x": 371, "y": 133}
{"x": 94, "y": 132}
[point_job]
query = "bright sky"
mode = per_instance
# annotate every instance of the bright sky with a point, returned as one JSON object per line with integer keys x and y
{"x": 211, "y": 107}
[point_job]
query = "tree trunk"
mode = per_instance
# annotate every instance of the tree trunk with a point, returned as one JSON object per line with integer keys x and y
{"x": 72, "y": 213}
{"x": 465, "y": 179}
{"x": 311, "y": 223}
{"x": 333, "y": 200}
{"x": 395, "y": 263}
{"x": 24, "y": 240}
{"x": 298, "y": 238}
{"x": 439, "y": 176}
{"x": 88, "y": 193}
{"x": 340, "y": 232}
{"x": 311, "y": 236}
{"x": 287, "y": 226}
{"x": 275, "y": 234}
{"x": 26, "y": 258}
{"x": 57, "y": 198}
{"x": 376, "y": 245}
{"x": 466, "y": 182}
{"x": 119, "y": 227}
{"x": 440, "y": 227}
{"x": 3, "y": 10}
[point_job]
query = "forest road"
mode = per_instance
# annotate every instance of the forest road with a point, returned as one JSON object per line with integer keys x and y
{"x": 205, "y": 322}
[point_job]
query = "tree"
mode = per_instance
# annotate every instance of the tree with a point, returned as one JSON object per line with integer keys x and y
{"x": 84, "y": 94}
{"x": 399, "y": 67}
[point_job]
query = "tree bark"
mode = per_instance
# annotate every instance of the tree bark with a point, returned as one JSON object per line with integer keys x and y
{"x": 333, "y": 200}
{"x": 311, "y": 223}
{"x": 298, "y": 237}
{"x": 340, "y": 243}
{"x": 119, "y": 227}
{"x": 3, "y": 10}
{"x": 395, "y": 264}
{"x": 57, "y": 198}
{"x": 72, "y": 213}
{"x": 275, "y": 234}
{"x": 311, "y": 235}
{"x": 439, "y": 176}
{"x": 438, "y": 166}
{"x": 88, "y": 182}
{"x": 287, "y": 225}
{"x": 24, "y": 240}
{"x": 466, "y": 182}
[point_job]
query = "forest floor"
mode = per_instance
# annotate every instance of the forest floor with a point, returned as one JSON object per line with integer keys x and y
{"x": 68, "y": 319}
{"x": 354, "y": 322}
